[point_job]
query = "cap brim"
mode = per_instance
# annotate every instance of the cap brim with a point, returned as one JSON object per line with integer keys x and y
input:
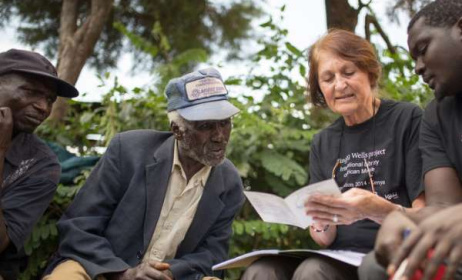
{"x": 215, "y": 110}
{"x": 64, "y": 89}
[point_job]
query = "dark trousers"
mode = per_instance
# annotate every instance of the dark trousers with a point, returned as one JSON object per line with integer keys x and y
{"x": 370, "y": 269}
{"x": 288, "y": 268}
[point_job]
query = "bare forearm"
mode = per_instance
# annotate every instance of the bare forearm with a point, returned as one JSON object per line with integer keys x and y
{"x": 442, "y": 187}
{"x": 442, "y": 190}
{"x": 423, "y": 213}
{"x": 385, "y": 207}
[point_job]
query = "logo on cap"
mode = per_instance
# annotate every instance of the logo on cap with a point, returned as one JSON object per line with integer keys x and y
{"x": 205, "y": 87}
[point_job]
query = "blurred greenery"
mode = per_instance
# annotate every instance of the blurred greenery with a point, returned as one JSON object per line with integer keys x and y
{"x": 270, "y": 140}
{"x": 213, "y": 26}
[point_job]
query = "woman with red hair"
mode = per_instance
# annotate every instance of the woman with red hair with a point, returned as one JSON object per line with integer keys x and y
{"x": 371, "y": 151}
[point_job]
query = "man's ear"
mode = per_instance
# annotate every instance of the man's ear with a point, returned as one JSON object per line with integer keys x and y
{"x": 176, "y": 131}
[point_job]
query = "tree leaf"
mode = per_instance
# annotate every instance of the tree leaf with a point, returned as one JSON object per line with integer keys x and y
{"x": 293, "y": 49}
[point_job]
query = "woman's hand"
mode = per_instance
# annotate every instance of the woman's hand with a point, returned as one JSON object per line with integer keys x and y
{"x": 353, "y": 205}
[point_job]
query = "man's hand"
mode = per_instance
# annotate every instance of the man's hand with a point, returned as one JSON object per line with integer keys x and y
{"x": 6, "y": 128}
{"x": 150, "y": 270}
{"x": 441, "y": 232}
{"x": 391, "y": 236}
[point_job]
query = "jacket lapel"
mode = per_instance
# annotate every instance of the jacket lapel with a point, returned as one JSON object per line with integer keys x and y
{"x": 157, "y": 176}
{"x": 208, "y": 210}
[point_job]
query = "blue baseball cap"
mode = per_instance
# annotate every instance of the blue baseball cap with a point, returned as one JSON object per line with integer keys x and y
{"x": 200, "y": 95}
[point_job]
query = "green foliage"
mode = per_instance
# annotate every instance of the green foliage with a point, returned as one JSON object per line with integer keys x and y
{"x": 175, "y": 25}
{"x": 121, "y": 109}
{"x": 271, "y": 137}
{"x": 400, "y": 82}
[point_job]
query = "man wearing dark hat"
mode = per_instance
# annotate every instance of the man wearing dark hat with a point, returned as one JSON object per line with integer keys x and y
{"x": 158, "y": 205}
{"x": 30, "y": 171}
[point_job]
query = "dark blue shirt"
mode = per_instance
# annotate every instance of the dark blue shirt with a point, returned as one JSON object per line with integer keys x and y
{"x": 30, "y": 177}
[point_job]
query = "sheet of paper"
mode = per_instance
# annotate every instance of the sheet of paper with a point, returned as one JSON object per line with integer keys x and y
{"x": 296, "y": 200}
{"x": 289, "y": 211}
{"x": 271, "y": 208}
{"x": 399, "y": 273}
{"x": 245, "y": 260}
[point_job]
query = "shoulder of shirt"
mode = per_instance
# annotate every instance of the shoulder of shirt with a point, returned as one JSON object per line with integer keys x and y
{"x": 334, "y": 127}
{"x": 430, "y": 110}
{"x": 401, "y": 106}
{"x": 143, "y": 136}
{"x": 445, "y": 106}
{"x": 145, "y": 133}
{"x": 39, "y": 146}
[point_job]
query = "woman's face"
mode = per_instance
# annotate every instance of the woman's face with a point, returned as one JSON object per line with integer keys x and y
{"x": 345, "y": 87}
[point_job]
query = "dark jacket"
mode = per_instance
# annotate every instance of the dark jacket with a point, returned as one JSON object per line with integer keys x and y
{"x": 109, "y": 225}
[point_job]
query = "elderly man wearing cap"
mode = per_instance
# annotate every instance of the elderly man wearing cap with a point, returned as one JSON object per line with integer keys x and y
{"x": 159, "y": 205}
{"x": 30, "y": 171}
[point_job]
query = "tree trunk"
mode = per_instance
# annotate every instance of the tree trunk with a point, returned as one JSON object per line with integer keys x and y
{"x": 76, "y": 44}
{"x": 340, "y": 14}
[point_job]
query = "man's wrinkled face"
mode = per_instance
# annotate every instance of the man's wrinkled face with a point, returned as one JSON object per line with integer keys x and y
{"x": 206, "y": 141}
{"x": 30, "y": 99}
{"x": 437, "y": 52}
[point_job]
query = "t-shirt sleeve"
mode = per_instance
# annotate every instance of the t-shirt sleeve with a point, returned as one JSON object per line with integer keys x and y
{"x": 431, "y": 145}
{"x": 25, "y": 204}
{"x": 315, "y": 162}
{"x": 413, "y": 158}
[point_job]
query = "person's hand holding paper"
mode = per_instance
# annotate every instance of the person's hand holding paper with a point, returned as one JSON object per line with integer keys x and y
{"x": 290, "y": 210}
{"x": 353, "y": 205}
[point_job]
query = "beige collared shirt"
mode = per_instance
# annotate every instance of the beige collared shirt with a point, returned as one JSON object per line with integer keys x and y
{"x": 178, "y": 210}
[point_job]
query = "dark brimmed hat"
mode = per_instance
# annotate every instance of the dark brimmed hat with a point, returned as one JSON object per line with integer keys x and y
{"x": 200, "y": 95}
{"x": 21, "y": 61}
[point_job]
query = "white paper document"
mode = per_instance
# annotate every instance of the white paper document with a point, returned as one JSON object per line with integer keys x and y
{"x": 291, "y": 210}
{"x": 349, "y": 257}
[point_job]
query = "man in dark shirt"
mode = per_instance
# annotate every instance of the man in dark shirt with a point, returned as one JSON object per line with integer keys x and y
{"x": 29, "y": 170}
{"x": 435, "y": 43}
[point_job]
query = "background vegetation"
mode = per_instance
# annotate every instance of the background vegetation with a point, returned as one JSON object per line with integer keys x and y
{"x": 270, "y": 139}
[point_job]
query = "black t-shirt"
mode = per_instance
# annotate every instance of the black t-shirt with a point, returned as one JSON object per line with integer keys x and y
{"x": 30, "y": 176}
{"x": 389, "y": 143}
{"x": 441, "y": 135}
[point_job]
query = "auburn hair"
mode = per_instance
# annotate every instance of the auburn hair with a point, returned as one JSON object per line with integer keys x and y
{"x": 347, "y": 46}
